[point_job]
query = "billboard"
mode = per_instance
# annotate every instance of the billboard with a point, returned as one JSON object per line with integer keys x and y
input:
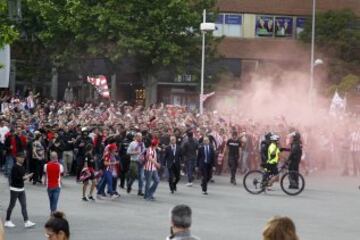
{"x": 283, "y": 26}
{"x": 300, "y": 25}
{"x": 264, "y": 26}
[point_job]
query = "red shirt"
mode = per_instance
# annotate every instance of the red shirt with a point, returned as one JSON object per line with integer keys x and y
{"x": 53, "y": 174}
{"x": 50, "y": 136}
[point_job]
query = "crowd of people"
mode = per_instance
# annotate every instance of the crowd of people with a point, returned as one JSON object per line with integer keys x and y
{"x": 111, "y": 145}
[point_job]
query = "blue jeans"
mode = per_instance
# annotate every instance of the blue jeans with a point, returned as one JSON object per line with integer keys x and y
{"x": 140, "y": 173}
{"x": 9, "y": 163}
{"x": 150, "y": 189}
{"x": 106, "y": 179}
{"x": 190, "y": 164}
{"x": 54, "y": 198}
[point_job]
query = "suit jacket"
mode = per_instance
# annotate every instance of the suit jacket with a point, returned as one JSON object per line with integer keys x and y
{"x": 202, "y": 156}
{"x": 172, "y": 159}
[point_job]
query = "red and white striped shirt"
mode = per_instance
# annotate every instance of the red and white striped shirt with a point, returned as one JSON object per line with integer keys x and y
{"x": 355, "y": 141}
{"x": 149, "y": 165}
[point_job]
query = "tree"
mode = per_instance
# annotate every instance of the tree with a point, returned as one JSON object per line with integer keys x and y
{"x": 7, "y": 31}
{"x": 338, "y": 38}
{"x": 347, "y": 84}
{"x": 158, "y": 34}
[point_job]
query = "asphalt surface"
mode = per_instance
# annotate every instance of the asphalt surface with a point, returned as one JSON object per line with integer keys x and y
{"x": 328, "y": 209}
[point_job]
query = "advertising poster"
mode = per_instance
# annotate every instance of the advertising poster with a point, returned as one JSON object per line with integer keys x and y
{"x": 283, "y": 26}
{"x": 264, "y": 26}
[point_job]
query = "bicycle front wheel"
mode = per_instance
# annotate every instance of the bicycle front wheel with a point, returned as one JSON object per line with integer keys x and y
{"x": 292, "y": 183}
{"x": 253, "y": 182}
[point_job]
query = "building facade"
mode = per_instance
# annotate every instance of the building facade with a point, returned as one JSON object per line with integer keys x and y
{"x": 256, "y": 33}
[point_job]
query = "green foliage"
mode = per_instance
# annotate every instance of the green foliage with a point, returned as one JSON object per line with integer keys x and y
{"x": 347, "y": 84}
{"x": 338, "y": 37}
{"x": 7, "y": 31}
{"x": 156, "y": 33}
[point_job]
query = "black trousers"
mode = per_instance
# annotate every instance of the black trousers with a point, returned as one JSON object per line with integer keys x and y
{"x": 174, "y": 176}
{"x": 39, "y": 170}
{"x": 22, "y": 199}
{"x": 233, "y": 165}
{"x": 294, "y": 168}
{"x": 206, "y": 176}
{"x": 125, "y": 164}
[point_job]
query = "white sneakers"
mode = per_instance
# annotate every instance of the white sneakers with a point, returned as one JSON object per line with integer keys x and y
{"x": 29, "y": 224}
{"x": 189, "y": 184}
{"x": 10, "y": 224}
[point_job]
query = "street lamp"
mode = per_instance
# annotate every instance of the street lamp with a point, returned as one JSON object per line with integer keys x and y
{"x": 204, "y": 27}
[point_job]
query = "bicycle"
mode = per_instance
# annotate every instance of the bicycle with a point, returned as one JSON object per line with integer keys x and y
{"x": 256, "y": 181}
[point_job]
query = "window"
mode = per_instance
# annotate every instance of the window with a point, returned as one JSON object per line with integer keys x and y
{"x": 232, "y": 26}
{"x": 264, "y": 26}
{"x": 183, "y": 78}
{"x": 300, "y": 24}
{"x": 229, "y": 25}
{"x": 219, "y": 26}
{"x": 283, "y": 26}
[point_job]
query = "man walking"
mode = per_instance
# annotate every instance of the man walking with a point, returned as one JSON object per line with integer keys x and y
{"x": 53, "y": 171}
{"x": 173, "y": 159}
{"x": 232, "y": 148}
{"x": 189, "y": 152}
{"x": 151, "y": 174}
{"x": 206, "y": 160}
{"x": 355, "y": 151}
{"x": 136, "y": 151}
{"x": 17, "y": 191}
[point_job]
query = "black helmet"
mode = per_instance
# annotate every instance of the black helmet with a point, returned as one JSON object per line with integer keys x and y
{"x": 296, "y": 136}
{"x": 268, "y": 135}
{"x": 130, "y": 135}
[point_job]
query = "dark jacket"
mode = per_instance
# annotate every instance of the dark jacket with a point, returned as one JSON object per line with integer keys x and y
{"x": 182, "y": 236}
{"x": 18, "y": 147}
{"x": 201, "y": 156}
{"x": 295, "y": 151}
{"x": 264, "y": 145}
{"x": 171, "y": 159}
{"x": 189, "y": 148}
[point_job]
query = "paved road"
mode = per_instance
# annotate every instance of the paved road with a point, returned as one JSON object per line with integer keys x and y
{"x": 327, "y": 210}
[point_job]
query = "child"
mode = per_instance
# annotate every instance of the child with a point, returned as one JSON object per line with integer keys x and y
{"x": 88, "y": 173}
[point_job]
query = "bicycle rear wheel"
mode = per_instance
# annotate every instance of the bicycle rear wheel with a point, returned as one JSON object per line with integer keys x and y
{"x": 292, "y": 183}
{"x": 253, "y": 182}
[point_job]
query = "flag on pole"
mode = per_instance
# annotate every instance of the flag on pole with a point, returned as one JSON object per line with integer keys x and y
{"x": 204, "y": 97}
{"x": 101, "y": 85}
{"x": 338, "y": 105}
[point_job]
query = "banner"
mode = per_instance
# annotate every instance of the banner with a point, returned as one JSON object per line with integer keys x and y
{"x": 283, "y": 26}
{"x": 300, "y": 25}
{"x": 264, "y": 25}
{"x": 5, "y": 66}
{"x": 204, "y": 97}
{"x": 233, "y": 19}
{"x": 338, "y": 105}
{"x": 100, "y": 84}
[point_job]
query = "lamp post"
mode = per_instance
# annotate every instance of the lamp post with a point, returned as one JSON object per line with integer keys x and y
{"x": 204, "y": 27}
{"x": 313, "y": 62}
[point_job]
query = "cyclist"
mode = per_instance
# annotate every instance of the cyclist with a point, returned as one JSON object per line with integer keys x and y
{"x": 264, "y": 146}
{"x": 272, "y": 161}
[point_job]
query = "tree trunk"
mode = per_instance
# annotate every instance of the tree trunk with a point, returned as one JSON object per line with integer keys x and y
{"x": 150, "y": 85}
{"x": 54, "y": 83}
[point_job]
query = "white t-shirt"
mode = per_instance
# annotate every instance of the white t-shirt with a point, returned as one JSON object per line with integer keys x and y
{"x": 3, "y": 131}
